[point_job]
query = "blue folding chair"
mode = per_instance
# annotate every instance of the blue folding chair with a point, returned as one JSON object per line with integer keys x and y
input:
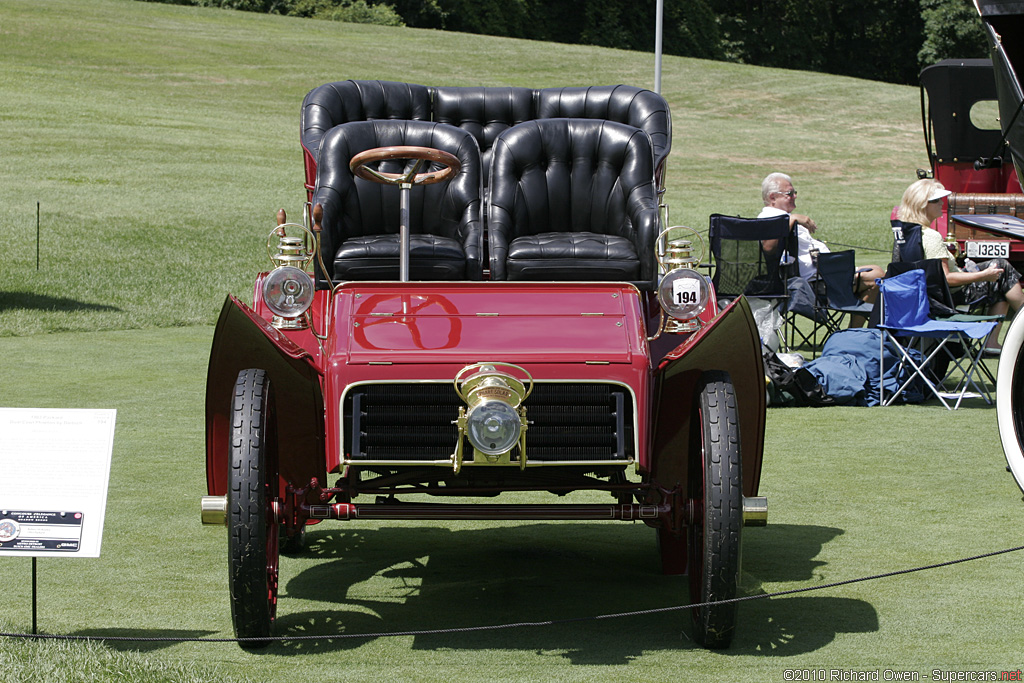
{"x": 903, "y": 301}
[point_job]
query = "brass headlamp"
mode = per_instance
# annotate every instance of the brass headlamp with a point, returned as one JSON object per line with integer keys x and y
{"x": 288, "y": 289}
{"x": 683, "y": 292}
{"x": 493, "y": 419}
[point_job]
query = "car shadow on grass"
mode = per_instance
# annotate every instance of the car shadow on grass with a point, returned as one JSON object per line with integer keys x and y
{"x": 41, "y": 302}
{"x": 782, "y": 554}
{"x": 553, "y": 579}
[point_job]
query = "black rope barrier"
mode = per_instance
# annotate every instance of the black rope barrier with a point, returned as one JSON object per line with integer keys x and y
{"x": 854, "y": 246}
{"x": 519, "y": 624}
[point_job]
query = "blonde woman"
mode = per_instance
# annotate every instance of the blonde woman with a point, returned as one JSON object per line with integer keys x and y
{"x": 996, "y": 283}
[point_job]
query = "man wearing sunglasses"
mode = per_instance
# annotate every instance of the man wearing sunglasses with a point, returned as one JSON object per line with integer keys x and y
{"x": 780, "y": 199}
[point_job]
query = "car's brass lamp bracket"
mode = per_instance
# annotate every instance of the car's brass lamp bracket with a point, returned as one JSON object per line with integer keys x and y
{"x": 288, "y": 289}
{"x": 683, "y": 293}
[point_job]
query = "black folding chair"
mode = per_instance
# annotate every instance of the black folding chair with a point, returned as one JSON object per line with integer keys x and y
{"x": 806, "y": 300}
{"x": 939, "y": 295}
{"x": 908, "y": 248}
{"x": 906, "y": 241}
{"x": 838, "y": 274}
{"x": 748, "y": 255}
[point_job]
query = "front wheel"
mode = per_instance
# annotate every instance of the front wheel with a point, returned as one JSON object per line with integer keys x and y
{"x": 253, "y": 490}
{"x": 716, "y": 496}
{"x": 1010, "y": 399}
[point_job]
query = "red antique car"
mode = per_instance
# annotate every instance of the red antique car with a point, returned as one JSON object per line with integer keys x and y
{"x": 968, "y": 154}
{"x": 481, "y": 301}
{"x": 1004, "y": 25}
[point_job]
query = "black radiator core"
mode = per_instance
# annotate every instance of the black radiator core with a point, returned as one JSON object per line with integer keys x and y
{"x": 415, "y": 422}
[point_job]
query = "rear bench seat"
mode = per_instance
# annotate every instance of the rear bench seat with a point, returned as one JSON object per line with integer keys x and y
{"x": 485, "y": 112}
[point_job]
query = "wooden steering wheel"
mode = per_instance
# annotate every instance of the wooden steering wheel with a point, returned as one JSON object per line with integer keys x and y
{"x": 360, "y": 165}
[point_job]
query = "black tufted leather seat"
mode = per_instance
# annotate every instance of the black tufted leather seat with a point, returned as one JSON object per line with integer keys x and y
{"x": 627, "y": 104}
{"x": 332, "y": 104}
{"x": 361, "y": 218}
{"x": 573, "y": 199}
{"x": 485, "y": 112}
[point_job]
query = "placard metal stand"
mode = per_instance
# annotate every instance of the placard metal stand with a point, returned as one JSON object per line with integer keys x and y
{"x": 34, "y": 603}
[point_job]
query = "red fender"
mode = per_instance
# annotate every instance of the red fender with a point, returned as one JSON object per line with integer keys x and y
{"x": 730, "y": 343}
{"x": 245, "y": 340}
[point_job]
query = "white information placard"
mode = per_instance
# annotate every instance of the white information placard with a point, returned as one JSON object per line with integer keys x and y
{"x": 54, "y": 471}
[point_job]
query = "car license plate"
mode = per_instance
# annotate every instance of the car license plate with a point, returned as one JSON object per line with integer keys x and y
{"x": 988, "y": 249}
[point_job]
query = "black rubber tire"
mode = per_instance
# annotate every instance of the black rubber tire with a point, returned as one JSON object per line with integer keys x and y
{"x": 253, "y": 486}
{"x": 716, "y": 495}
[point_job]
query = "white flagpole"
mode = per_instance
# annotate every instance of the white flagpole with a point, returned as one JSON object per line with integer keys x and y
{"x": 657, "y": 46}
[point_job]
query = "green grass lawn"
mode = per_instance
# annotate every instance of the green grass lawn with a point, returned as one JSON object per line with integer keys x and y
{"x": 853, "y": 492}
{"x": 159, "y": 141}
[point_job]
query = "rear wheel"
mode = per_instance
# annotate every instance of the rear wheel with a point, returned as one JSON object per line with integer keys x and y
{"x": 716, "y": 497}
{"x": 253, "y": 489}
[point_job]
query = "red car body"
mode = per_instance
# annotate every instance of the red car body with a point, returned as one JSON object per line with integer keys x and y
{"x": 426, "y": 332}
{"x": 968, "y": 156}
{"x": 356, "y": 408}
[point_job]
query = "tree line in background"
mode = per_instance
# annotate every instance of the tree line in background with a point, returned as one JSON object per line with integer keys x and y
{"x": 884, "y": 40}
